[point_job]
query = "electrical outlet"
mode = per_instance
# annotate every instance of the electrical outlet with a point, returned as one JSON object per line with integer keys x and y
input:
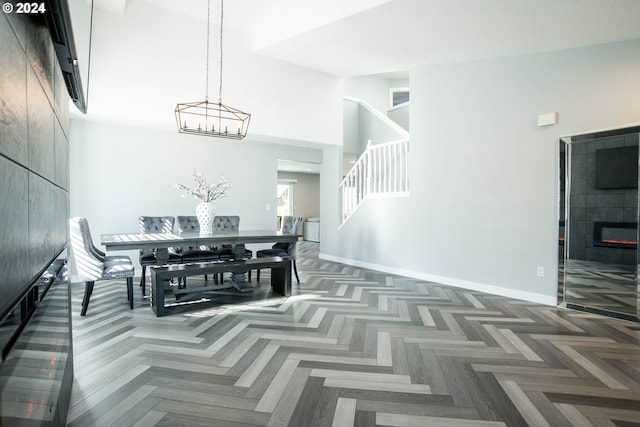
{"x": 540, "y": 271}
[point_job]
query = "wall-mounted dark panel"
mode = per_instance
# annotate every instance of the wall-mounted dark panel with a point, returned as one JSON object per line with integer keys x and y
{"x": 18, "y": 23}
{"x": 41, "y": 54}
{"x": 61, "y": 216}
{"x": 41, "y": 222}
{"x": 61, "y": 153}
{"x": 13, "y": 96}
{"x": 61, "y": 106}
{"x": 617, "y": 167}
{"x": 14, "y": 250}
{"x": 34, "y": 152}
{"x": 41, "y": 129}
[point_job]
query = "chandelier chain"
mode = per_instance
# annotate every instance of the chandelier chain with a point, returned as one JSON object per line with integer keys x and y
{"x": 206, "y": 89}
{"x": 221, "y": 19}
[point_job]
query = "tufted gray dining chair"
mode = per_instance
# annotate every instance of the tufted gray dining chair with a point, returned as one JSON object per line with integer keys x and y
{"x": 155, "y": 224}
{"x": 194, "y": 254}
{"x": 225, "y": 252}
{"x": 92, "y": 264}
{"x": 290, "y": 224}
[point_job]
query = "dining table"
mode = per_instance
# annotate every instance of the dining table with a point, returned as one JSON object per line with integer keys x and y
{"x": 161, "y": 242}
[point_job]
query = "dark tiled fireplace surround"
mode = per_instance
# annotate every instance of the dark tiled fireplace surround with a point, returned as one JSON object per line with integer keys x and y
{"x": 602, "y": 221}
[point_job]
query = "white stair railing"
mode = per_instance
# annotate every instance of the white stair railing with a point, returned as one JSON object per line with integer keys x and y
{"x": 381, "y": 171}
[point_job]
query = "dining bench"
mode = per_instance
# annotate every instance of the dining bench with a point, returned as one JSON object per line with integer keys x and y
{"x": 162, "y": 275}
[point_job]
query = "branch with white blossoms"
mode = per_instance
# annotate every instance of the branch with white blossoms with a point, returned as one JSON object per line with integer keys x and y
{"x": 203, "y": 191}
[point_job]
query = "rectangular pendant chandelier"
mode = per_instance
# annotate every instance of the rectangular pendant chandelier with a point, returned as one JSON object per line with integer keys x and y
{"x": 212, "y": 119}
{"x": 207, "y": 118}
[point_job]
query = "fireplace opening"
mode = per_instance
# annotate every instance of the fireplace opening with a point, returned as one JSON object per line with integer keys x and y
{"x": 615, "y": 234}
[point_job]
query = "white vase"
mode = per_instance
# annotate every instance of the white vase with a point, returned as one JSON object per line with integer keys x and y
{"x": 205, "y": 213}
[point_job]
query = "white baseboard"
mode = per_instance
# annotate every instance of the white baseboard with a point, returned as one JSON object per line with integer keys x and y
{"x": 458, "y": 283}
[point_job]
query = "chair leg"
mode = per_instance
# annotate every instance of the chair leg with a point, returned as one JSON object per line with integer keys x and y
{"x": 295, "y": 270}
{"x": 88, "y": 290}
{"x": 258, "y": 275}
{"x": 130, "y": 291}
{"x": 143, "y": 280}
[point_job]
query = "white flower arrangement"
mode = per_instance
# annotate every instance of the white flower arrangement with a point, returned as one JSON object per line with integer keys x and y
{"x": 203, "y": 191}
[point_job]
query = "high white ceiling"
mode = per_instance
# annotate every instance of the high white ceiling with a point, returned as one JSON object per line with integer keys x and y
{"x": 361, "y": 37}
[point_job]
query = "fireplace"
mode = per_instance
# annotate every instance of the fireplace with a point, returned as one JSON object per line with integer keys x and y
{"x": 615, "y": 234}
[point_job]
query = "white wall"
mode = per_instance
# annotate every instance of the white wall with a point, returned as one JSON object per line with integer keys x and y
{"x": 484, "y": 194}
{"x": 148, "y": 59}
{"x": 330, "y": 178}
{"x": 397, "y": 83}
{"x": 118, "y": 173}
{"x": 373, "y": 90}
{"x": 351, "y": 141}
{"x": 401, "y": 115}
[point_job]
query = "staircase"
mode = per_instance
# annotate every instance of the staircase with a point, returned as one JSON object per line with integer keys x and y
{"x": 381, "y": 171}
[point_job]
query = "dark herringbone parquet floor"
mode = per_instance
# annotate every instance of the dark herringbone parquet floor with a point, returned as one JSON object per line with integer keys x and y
{"x": 604, "y": 286}
{"x": 352, "y": 347}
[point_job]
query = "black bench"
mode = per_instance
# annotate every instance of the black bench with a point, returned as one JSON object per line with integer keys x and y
{"x": 160, "y": 277}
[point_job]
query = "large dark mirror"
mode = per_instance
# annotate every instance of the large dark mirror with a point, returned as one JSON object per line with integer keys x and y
{"x": 598, "y": 218}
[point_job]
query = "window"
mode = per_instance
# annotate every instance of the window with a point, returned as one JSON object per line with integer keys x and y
{"x": 285, "y": 199}
{"x": 398, "y": 96}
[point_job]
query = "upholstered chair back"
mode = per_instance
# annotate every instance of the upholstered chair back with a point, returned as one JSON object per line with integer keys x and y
{"x": 88, "y": 264}
{"x": 92, "y": 264}
{"x": 288, "y": 225}
{"x": 84, "y": 227}
{"x": 291, "y": 224}
{"x": 188, "y": 224}
{"x": 226, "y": 223}
{"x": 156, "y": 224}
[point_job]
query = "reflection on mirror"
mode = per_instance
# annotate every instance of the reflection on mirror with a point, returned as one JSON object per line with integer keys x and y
{"x": 20, "y": 315}
{"x": 36, "y": 372}
{"x": 598, "y": 223}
